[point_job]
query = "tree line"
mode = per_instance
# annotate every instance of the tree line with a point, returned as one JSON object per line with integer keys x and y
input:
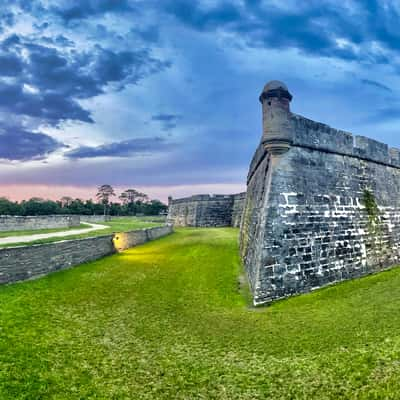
{"x": 131, "y": 202}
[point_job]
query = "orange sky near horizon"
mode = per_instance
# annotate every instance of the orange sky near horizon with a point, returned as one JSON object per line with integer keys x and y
{"x": 25, "y": 192}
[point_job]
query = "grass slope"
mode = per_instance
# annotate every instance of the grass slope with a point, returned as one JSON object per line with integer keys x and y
{"x": 115, "y": 225}
{"x": 167, "y": 321}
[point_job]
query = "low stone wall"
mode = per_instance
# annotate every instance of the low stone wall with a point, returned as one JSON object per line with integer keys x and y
{"x": 125, "y": 240}
{"x": 95, "y": 218}
{"x": 10, "y": 223}
{"x": 101, "y": 218}
{"x": 21, "y": 263}
{"x": 27, "y": 262}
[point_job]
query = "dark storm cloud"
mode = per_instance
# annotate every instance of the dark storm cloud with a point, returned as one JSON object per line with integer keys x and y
{"x": 7, "y": 18}
{"x": 311, "y": 27}
{"x": 375, "y": 84}
{"x": 124, "y": 66}
{"x": 384, "y": 114}
{"x": 150, "y": 34}
{"x": 84, "y": 75}
{"x": 47, "y": 106}
{"x": 190, "y": 13}
{"x": 89, "y": 8}
{"x": 165, "y": 117}
{"x": 59, "y": 40}
{"x": 41, "y": 26}
{"x": 273, "y": 28}
{"x": 48, "y": 83}
{"x": 18, "y": 144}
{"x": 126, "y": 148}
{"x": 10, "y": 65}
{"x": 168, "y": 121}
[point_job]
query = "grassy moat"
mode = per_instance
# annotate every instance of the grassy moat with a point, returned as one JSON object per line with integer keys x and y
{"x": 167, "y": 320}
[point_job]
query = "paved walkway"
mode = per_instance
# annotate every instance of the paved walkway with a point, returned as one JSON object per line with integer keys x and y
{"x": 39, "y": 236}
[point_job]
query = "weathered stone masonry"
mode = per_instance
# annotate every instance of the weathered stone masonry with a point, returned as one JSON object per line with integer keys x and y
{"x": 206, "y": 210}
{"x": 322, "y": 205}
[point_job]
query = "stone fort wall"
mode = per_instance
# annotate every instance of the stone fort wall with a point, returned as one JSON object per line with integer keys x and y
{"x": 322, "y": 205}
{"x": 21, "y": 223}
{"x": 206, "y": 210}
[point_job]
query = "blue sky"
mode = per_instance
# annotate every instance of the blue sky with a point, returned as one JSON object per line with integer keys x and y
{"x": 163, "y": 95}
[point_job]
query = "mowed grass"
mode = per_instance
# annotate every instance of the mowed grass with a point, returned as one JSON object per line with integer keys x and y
{"x": 115, "y": 225}
{"x": 130, "y": 223}
{"x": 168, "y": 320}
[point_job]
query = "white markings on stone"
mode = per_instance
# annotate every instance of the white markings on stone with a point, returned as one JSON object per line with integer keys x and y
{"x": 346, "y": 213}
{"x": 286, "y": 196}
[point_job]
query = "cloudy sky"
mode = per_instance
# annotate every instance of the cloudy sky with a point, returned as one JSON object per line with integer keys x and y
{"x": 162, "y": 95}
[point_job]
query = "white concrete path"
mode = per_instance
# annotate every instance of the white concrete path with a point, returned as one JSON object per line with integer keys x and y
{"x": 39, "y": 236}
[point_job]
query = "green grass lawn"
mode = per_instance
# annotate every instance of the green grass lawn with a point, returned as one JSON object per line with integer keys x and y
{"x": 115, "y": 225}
{"x": 167, "y": 320}
{"x": 129, "y": 224}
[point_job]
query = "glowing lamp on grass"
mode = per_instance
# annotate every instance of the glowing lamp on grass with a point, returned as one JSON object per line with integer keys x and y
{"x": 118, "y": 242}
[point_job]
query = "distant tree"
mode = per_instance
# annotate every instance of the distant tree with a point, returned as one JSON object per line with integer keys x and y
{"x": 134, "y": 202}
{"x": 66, "y": 201}
{"x": 77, "y": 206}
{"x": 103, "y": 196}
{"x": 36, "y": 199}
{"x": 142, "y": 197}
{"x": 131, "y": 196}
{"x": 124, "y": 198}
{"x": 8, "y": 207}
{"x": 38, "y": 206}
{"x": 116, "y": 209}
{"x": 92, "y": 208}
{"x": 154, "y": 207}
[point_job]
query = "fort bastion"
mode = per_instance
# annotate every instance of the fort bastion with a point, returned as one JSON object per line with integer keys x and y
{"x": 322, "y": 205}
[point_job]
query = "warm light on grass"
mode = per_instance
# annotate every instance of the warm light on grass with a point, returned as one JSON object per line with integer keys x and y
{"x": 118, "y": 242}
{"x": 168, "y": 320}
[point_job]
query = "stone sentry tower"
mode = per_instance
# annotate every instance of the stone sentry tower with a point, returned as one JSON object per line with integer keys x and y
{"x": 311, "y": 194}
{"x": 277, "y": 133}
